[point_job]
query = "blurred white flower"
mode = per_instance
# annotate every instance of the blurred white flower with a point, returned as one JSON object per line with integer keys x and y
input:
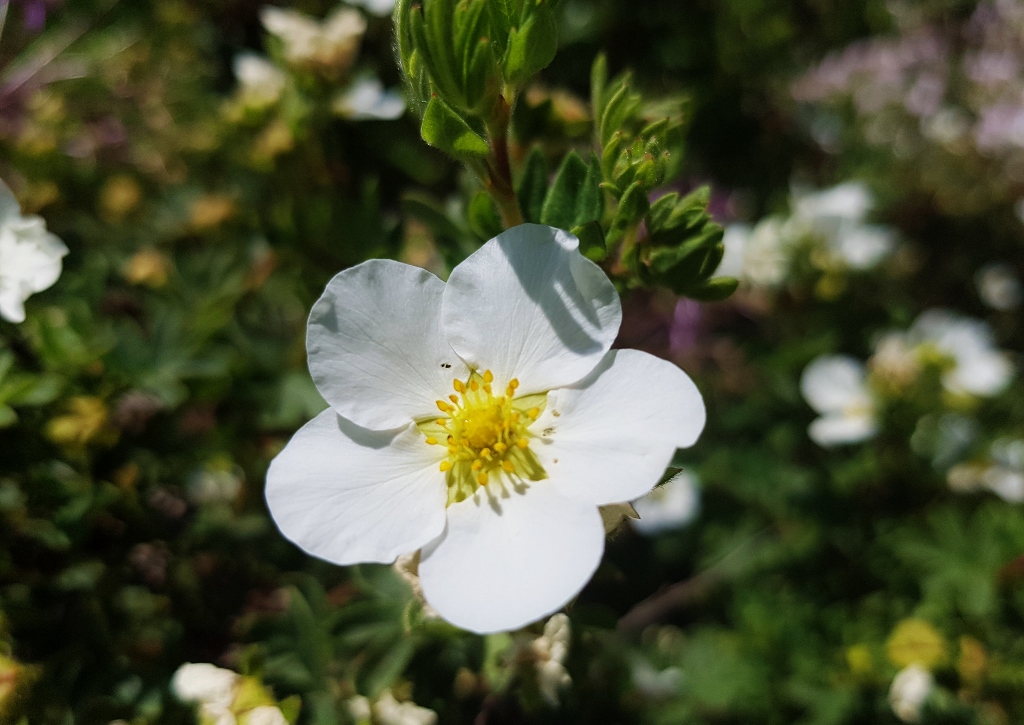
{"x": 263, "y": 715}
{"x": 830, "y": 209}
{"x": 654, "y": 683}
{"x": 836, "y": 387}
{"x": 895, "y": 361}
{"x": 376, "y": 7}
{"x": 207, "y": 685}
{"x": 766, "y": 253}
{"x": 483, "y": 422}
{"x": 999, "y": 287}
{"x": 549, "y": 652}
{"x": 670, "y": 506}
{"x": 359, "y": 709}
{"x": 260, "y": 82}
{"x": 978, "y": 367}
{"x": 862, "y": 246}
{"x": 837, "y": 215}
{"x": 389, "y": 711}
{"x": 214, "y": 484}
{"x": 366, "y": 99}
{"x": 910, "y": 688}
{"x": 1003, "y": 473}
{"x": 30, "y": 257}
{"x": 330, "y": 43}
{"x": 735, "y": 242}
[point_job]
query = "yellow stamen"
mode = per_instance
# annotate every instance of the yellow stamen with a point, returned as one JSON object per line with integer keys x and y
{"x": 459, "y": 386}
{"x": 481, "y": 479}
{"x": 445, "y": 407}
{"x": 474, "y": 385}
{"x": 486, "y": 453}
{"x": 533, "y": 413}
{"x": 500, "y": 447}
{"x": 454, "y": 399}
{"x": 508, "y": 466}
{"x": 523, "y": 443}
{"x": 477, "y": 465}
{"x": 441, "y": 422}
{"x": 431, "y": 441}
{"x": 446, "y": 465}
{"x": 513, "y": 383}
{"x": 488, "y": 376}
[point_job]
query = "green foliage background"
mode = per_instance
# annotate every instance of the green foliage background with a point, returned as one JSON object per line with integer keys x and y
{"x": 123, "y": 389}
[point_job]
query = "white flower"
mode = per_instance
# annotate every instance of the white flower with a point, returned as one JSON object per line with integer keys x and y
{"x": 366, "y": 99}
{"x": 376, "y": 7}
{"x": 359, "y": 709}
{"x": 735, "y": 242}
{"x": 389, "y": 711}
{"x": 673, "y": 504}
{"x": 30, "y": 257}
{"x": 830, "y": 208}
{"x": 332, "y": 42}
{"x": 910, "y": 688}
{"x": 836, "y": 387}
{"x": 766, "y": 253}
{"x": 862, "y": 246}
{"x": 483, "y": 421}
{"x": 549, "y": 652}
{"x": 999, "y": 287}
{"x": 837, "y": 215}
{"x": 260, "y": 82}
{"x": 205, "y": 684}
{"x": 264, "y": 715}
{"x": 978, "y": 368}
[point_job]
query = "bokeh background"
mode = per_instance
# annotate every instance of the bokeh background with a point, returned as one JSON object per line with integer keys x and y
{"x": 210, "y": 168}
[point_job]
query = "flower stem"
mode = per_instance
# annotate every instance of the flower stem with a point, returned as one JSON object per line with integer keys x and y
{"x": 499, "y": 180}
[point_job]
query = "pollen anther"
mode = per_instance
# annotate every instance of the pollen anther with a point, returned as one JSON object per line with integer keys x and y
{"x": 485, "y": 435}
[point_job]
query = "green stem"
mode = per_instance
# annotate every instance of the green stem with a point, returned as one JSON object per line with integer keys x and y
{"x": 499, "y": 181}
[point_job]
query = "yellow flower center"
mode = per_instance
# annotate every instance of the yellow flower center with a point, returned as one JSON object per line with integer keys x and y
{"x": 487, "y": 435}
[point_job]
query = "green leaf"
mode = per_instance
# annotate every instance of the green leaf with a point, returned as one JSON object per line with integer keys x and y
{"x": 714, "y": 290}
{"x": 620, "y": 107}
{"x": 632, "y": 207}
{"x": 533, "y": 185}
{"x": 575, "y": 197}
{"x": 598, "y": 83}
{"x": 390, "y": 667}
{"x": 560, "y": 205}
{"x": 444, "y": 129}
{"x": 7, "y": 416}
{"x": 290, "y": 707}
{"x": 532, "y": 46}
{"x": 483, "y": 216}
{"x": 592, "y": 245}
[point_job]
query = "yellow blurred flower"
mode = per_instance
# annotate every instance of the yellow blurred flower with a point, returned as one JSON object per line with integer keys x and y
{"x": 915, "y": 641}
{"x": 276, "y": 139}
{"x": 118, "y": 196}
{"x": 85, "y": 420}
{"x": 211, "y": 210}
{"x": 148, "y": 267}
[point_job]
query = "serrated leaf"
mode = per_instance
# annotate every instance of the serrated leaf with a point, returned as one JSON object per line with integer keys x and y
{"x": 444, "y": 129}
{"x": 533, "y": 185}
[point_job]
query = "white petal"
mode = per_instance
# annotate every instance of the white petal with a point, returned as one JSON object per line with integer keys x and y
{"x": 375, "y": 346}
{"x": 673, "y": 504}
{"x": 9, "y": 206}
{"x": 528, "y": 305}
{"x": 831, "y": 383}
{"x": 984, "y": 373}
{"x": 511, "y": 558}
{"x": 348, "y": 495}
{"x": 366, "y": 99}
{"x": 833, "y": 430}
{"x": 610, "y": 437}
